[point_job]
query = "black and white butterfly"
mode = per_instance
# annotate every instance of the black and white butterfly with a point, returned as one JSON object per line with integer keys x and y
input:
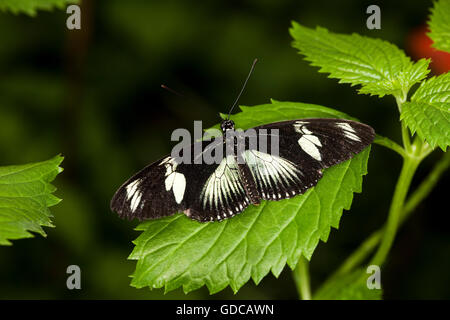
{"x": 213, "y": 192}
{"x": 217, "y": 191}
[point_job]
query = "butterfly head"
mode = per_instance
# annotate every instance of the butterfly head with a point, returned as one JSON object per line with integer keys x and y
{"x": 227, "y": 125}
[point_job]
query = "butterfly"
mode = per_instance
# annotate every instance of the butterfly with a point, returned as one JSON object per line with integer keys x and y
{"x": 246, "y": 175}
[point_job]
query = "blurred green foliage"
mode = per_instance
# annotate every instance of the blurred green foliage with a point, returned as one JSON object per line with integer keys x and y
{"x": 94, "y": 95}
{"x": 31, "y": 7}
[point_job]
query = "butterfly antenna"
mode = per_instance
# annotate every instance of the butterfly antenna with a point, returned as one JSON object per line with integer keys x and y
{"x": 171, "y": 90}
{"x": 243, "y": 87}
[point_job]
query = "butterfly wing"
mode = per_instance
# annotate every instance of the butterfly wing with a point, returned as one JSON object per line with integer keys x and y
{"x": 153, "y": 192}
{"x": 305, "y": 148}
{"x": 204, "y": 192}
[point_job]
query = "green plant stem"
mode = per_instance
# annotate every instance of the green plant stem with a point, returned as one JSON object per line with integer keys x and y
{"x": 406, "y": 139}
{"x": 401, "y": 189}
{"x": 360, "y": 254}
{"x": 388, "y": 143}
{"x": 301, "y": 277}
{"x": 400, "y": 99}
{"x": 424, "y": 189}
{"x": 426, "y": 186}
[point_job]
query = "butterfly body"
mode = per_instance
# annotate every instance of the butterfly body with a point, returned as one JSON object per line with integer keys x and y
{"x": 286, "y": 160}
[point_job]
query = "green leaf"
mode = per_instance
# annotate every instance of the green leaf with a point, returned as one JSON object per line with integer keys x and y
{"x": 440, "y": 25}
{"x": 282, "y": 110}
{"x": 351, "y": 286}
{"x": 30, "y": 7}
{"x": 25, "y": 195}
{"x": 176, "y": 251}
{"x": 378, "y": 66}
{"x": 428, "y": 113}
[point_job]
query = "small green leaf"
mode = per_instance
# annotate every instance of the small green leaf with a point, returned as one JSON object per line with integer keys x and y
{"x": 177, "y": 252}
{"x": 282, "y": 110}
{"x": 351, "y": 286}
{"x": 31, "y": 7}
{"x": 25, "y": 195}
{"x": 428, "y": 113}
{"x": 440, "y": 25}
{"x": 378, "y": 66}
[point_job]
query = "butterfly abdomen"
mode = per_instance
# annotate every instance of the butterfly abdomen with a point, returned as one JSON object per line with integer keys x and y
{"x": 249, "y": 184}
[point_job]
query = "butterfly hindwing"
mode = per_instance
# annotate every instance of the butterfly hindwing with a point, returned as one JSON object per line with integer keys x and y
{"x": 221, "y": 195}
{"x": 276, "y": 177}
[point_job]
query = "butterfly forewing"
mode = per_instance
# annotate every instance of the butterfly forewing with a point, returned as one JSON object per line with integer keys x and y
{"x": 149, "y": 194}
{"x": 320, "y": 143}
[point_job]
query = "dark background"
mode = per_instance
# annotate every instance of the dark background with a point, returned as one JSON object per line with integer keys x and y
{"x": 94, "y": 95}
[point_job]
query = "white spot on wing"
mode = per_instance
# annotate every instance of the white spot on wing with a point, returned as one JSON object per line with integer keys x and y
{"x": 179, "y": 185}
{"x": 349, "y": 132}
{"x": 309, "y": 147}
{"x": 169, "y": 182}
{"x": 313, "y": 139}
{"x": 174, "y": 180}
{"x": 177, "y": 182}
{"x": 131, "y": 188}
{"x": 345, "y": 126}
{"x": 308, "y": 142}
{"x": 135, "y": 201}
{"x": 134, "y": 194}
